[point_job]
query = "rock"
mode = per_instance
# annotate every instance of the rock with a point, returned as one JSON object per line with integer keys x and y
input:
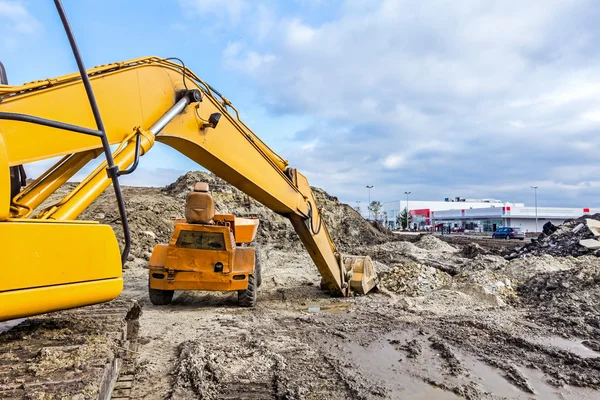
{"x": 472, "y": 250}
{"x": 593, "y": 225}
{"x": 592, "y": 244}
{"x": 549, "y": 228}
{"x": 150, "y": 233}
{"x": 578, "y": 228}
{"x": 592, "y": 344}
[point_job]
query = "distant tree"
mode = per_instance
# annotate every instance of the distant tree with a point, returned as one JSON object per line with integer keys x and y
{"x": 402, "y": 219}
{"x": 374, "y": 208}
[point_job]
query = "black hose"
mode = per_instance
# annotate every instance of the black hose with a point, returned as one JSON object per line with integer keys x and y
{"x": 48, "y": 122}
{"x": 112, "y": 169}
{"x": 310, "y": 220}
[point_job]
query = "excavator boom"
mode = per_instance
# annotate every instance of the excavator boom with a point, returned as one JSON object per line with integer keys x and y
{"x": 142, "y": 101}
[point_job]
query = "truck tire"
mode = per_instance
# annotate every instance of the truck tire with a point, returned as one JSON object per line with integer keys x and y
{"x": 160, "y": 297}
{"x": 257, "y": 266}
{"x": 247, "y": 297}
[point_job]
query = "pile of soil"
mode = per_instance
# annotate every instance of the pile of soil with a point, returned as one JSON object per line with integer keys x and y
{"x": 567, "y": 298}
{"x": 493, "y": 282}
{"x": 427, "y": 250}
{"x": 152, "y": 211}
{"x": 414, "y": 279}
{"x": 563, "y": 240}
{"x": 472, "y": 250}
{"x": 346, "y": 226}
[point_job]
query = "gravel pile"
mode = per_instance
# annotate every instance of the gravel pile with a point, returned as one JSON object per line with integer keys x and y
{"x": 414, "y": 279}
{"x": 494, "y": 282}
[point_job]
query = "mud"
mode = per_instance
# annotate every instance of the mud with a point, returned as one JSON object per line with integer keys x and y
{"x": 452, "y": 318}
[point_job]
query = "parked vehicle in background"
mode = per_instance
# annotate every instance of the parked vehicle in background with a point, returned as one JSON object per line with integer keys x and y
{"x": 509, "y": 233}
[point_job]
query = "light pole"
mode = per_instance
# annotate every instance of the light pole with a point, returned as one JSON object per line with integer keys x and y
{"x": 369, "y": 206}
{"x": 536, "y": 218}
{"x": 358, "y": 207}
{"x": 407, "y": 215}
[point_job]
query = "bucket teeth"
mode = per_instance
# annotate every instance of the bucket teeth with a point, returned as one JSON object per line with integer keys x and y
{"x": 364, "y": 277}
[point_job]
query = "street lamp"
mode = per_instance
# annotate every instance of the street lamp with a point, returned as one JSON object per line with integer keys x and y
{"x": 369, "y": 206}
{"x": 407, "y": 215}
{"x": 536, "y": 217}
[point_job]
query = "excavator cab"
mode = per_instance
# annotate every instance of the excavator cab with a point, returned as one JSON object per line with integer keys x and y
{"x": 207, "y": 251}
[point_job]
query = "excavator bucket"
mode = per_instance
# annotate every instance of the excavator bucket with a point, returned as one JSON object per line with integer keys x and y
{"x": 361, "y": 271}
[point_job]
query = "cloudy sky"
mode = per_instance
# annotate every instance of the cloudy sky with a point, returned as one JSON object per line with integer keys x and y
{"x": 463, "y": 98}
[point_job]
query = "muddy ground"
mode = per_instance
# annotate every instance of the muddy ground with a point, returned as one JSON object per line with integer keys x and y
{"x": 452, "y": 317}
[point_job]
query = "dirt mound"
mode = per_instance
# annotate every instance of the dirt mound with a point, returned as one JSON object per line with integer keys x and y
{"x": 473, "y": 250}
{"x": 430, "y": 242}
{"x": 414, "y": 279}
{"x": 493, "y": 282}
{"x": 523, "y": 269}
{"x": 568, "y": 298}
{"x": 152, "y": 211}
{"x": 427, "y": 250}
{"x": 563, "y": 240}
{"x": 346, "y": 226}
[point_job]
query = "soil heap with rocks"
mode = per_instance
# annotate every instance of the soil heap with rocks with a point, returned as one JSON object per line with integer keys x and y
{"x": 152, "y": 212}
{"x": 569, "y": 298}
{"x": 573, "y": 238}
{"x": 414, "y": 279}
{"x": 346, "y": 226}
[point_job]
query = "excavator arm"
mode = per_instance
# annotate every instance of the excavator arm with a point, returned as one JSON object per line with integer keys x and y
{"x": 141, "y": 101}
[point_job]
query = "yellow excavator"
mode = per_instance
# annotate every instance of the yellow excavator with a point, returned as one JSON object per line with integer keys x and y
{"x": 52, "y": 261}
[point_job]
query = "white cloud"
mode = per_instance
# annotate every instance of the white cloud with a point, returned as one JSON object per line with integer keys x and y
{"x": 394, "y": 161}
{"x": 299, "y": 34}
{"x": 16, "y": 20}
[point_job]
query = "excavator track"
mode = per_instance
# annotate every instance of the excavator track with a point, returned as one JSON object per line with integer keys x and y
{"x": 81, "y": 353}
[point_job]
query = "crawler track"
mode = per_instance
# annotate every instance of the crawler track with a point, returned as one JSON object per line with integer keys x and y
{"x": 69, "y": 354}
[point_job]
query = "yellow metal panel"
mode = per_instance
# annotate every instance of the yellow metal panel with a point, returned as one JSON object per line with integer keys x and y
{"x": 159, "y": 255}
{"x": 198, "y": 281}
{"x": 24, "y": 303}
{"x": 127, "y": 98}
{"x": 4, "y": 182}
{"x": 35, "y": 255}
{"x": 245, "y": 229}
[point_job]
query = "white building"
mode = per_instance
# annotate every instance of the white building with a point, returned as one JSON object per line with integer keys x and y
{"x": 516, "y": 216}
{"x": 421, "y": 210}
{"x": 484, "y": 215}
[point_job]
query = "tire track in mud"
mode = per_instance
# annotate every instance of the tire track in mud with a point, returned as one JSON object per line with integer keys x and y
{"x": 278, "y": 362}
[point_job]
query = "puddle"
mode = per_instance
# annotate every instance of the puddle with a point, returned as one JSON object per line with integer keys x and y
{"x": 404, "y": 376}
{"x": 381, "y": 362}
{"x": 8, "y": 325}
{"x": 573, "y": 346}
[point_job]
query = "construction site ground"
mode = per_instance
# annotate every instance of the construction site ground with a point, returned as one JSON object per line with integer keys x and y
{"x": 452, "y": 319}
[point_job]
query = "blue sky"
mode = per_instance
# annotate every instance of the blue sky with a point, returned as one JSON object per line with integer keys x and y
{"x": 467, "y": 98}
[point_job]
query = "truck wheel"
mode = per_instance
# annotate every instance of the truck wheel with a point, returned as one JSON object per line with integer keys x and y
{"x": 257, "y": 266}
{"x": 247, "y": 298}
{"x": 160, "y": 297}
